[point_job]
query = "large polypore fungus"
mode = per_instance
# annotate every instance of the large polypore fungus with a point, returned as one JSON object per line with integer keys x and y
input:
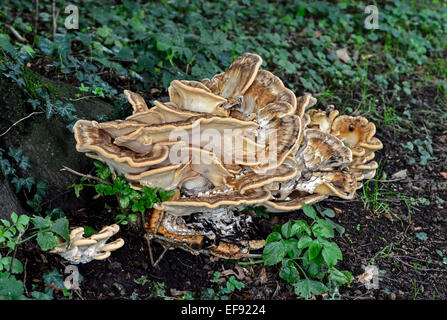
{"x": 240, "y": 138}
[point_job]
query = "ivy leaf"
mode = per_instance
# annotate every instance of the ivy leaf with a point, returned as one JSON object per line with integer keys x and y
{"x": 7, "y": 46}
{"x": 23, "y": 182}
{"x": 306, "y": 287}
{"x": 49, "y": 109}
{"x": 47, "y": 295}
{"x": 41, "y": 187}
{"x": 66, "y": 111}
{"x": 24, "y": 163}
{"x": 15, "y": 153}
{"x": 55, "y": 278}
{"x": 46, "y": 46}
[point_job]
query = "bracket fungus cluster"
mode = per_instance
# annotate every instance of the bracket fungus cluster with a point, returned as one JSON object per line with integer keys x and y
{"x": 83, "y": 250}
{"x": 241, "y": 138}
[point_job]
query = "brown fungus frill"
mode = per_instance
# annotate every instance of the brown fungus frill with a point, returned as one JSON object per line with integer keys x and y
{"x": 240, "y": 138}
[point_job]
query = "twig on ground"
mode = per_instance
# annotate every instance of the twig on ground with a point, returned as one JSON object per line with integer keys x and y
{"x": 16, "y": 34}
{"x": 64, "y": 168}
{"x": 175, "y": 244}
{"x": 18, "y": 121}
{"x": 36, "y": 17}
{"x": 161, "y": 256}
{"x": 16, "y": 245}
{"x": 151, "y": 256}
{"x": 24, "y": 276}
{"x": 55, "y": 14}
{"x": 81, "y": 98}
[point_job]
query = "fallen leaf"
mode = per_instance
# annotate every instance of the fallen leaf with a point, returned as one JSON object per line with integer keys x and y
{"x": 389, "y": 217}
{"x": 444, "y": 175}
{"x": 263, "y": 277}
{"x": 241, "y": 274}
{"x": 355, "y": 57}
{"x": 367, "y": 275}
{"x": 175, "y": 292}
{"x": 401, "y": 175}
{"x": 367, "y": 56}
{"x": 443, "y": 138}
{"x": 343, "y": 55}
{"x": 317, "y": 33}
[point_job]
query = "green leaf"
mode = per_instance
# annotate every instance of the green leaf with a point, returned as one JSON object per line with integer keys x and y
{"x": 16, "y": 268}
{"x": 40, "y": 223}
{"x": 60, "y": 227}
{"x": 274, "y": 236}
{"x": 14, "y": 217}
{"x": 47, "y": 295}
{"x": 46, "y": 240}
{"x": 323, "y": 228}
{"x": 66, "y": 111}
{"x": 273, "y": 253}
{"x": 7, "y": 46}
{"x": 292, "y": 248}
{"x": 422, "y": 236}
{"x": 304, "y": 242}
{"x": 41, "y": 187}
{"x": 46, "y": 46}
{"x": 124, "y": 202}
{"x": 23, "y": 220}
{"x": 286, "y": 229}
{"x": 306, "y": 287}
{"x": 340, "y": 277}
{"x": 309, "y": 211}
{"x": 331, "y": 254}
{"x": 77, "y": 189}
{"x": 11, "y": 289}
{"x": 289, "y": 272}
{"x": 314, "y": 249}
{"x": 328, "y": 213}
{"x": 55, "y": 278}
{"x": 300, "y": 226}
{"x": 88, "y": 231}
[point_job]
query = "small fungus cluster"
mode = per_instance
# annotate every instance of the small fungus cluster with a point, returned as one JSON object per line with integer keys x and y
{"x": 239, "y": 139}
